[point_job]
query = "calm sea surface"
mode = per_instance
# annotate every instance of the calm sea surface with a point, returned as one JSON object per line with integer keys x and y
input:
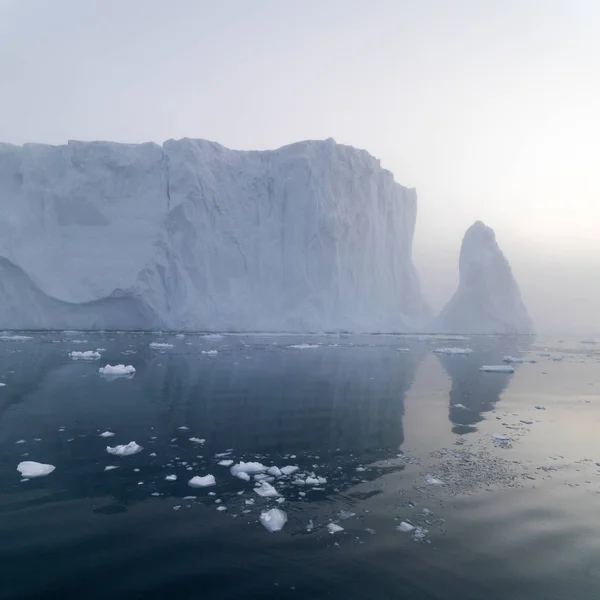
{"x": 447, "y": 482}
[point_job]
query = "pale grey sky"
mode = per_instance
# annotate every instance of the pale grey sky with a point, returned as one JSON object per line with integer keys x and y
{"x": 489, "y": 108}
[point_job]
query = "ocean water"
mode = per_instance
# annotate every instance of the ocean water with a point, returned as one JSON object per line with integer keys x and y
{"x": 448, "y": 482}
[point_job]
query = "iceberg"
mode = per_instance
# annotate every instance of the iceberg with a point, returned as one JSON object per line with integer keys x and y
{"x": 273, "y": 520}
{"x": 86, "y": 355}
{"x": 30, "y": 469}
{"x": 189, "y": 235}
{"x": 116, "y": 370}
{"x": 124, "y": 449}
{"x": 198, "y": 482}
{"x": 488, "y": 300}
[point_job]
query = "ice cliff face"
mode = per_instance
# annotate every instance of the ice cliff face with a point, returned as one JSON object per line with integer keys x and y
{"x": 487, "y": 299}
{"x": 191, "y": 235}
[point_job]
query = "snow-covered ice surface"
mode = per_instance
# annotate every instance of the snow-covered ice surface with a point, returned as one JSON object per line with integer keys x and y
{"x": 124, "y": 449}
{"x": 85, "y": 355}
{"x": 161, "y": 346}
{"x": 116, "y": 370}
{"x": 30, "y": 469}
{"x": 355, "y": 435}
{"x": 488, "y": 300}
{"x": 202, "y": 481}
{"x": 314, "y": 236}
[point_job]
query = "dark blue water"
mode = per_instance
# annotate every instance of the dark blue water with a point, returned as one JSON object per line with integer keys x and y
{"x": 373, "y": 415}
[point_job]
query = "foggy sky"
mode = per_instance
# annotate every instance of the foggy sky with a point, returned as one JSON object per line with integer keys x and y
{"x": 489, "y": 109}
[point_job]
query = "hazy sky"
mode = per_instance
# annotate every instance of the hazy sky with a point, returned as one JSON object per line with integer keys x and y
{"x": 490, "y": 108}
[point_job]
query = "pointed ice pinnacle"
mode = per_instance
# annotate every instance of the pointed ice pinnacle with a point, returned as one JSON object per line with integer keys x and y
{"x": 487, "y": 299}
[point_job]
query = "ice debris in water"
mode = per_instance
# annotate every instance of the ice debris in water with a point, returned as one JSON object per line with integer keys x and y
{"x": 209, "y": 352}
{"x": 171, "y": 478}
{"x": 15, "y": 338}
{"x": 21, "y": 442}
{"x": 110, "y": 468}
{"x": 197, "y": 440}
{"x": 346, "y": 514}
{"x": 430, "y": 480}
{"x": 87, "y": 355}
{"x": 205, "y": 481}
{"x": 526, "y": 421}
{"x": 274, "y": 471}
{"x": 31, "y": 469}
{"x": 213, "y": 336}
{"x": 303, "y": 346}
{"x": 289, "y": 469}
{"x": 405, "y": 527}
{"x": 160, "y": 346}
{"x": 462, "y": 406}
{"x": 453, "y": 350}
{"x": 107, "y": 434}
{"x": 500, "y": 440}
{"x": 124, "y": 449}
{"x": 334, "y": 528}
{"x": 2, "y": 384}
{"x": 225, "y": 463}
{"x": 497, "y": 369}
{"x": 273, "y": 520}
{"x": 247, "y": 467}
{"x": 117, "y": 370}
{"x": 266, "y": 490}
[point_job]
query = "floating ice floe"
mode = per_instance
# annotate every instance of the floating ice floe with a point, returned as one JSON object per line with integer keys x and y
{"x": 513, "y": 359}
{"x": 405, "y": 527}
{"x": 110, "y": 468}
{"x": 15, "y": 338}
{"x": 30, "y": 469}
{"x": 266, "y": 490}
{"x": 225, "y": 463}
{"x": 160, "y": 346}
{"x": 430, "y": 480}
{"x": 197, "y": 440}
{"x": 107, "y": 434}
{"x": 334, "y": 528}
{"x": 171, "y": 478}
{"x": 303, "y": 346}
{"x": 199, "y": 482}
{"x": 209, "y": 352}
{"x": 244, "y": 469}
{"x": 117, "y": 370}
{"x": 289, "y": 469}
{"x": 497, "y": 369}
{"x": 500, "y": 439}
{"x": 87, "y": 355}
{"x": 273, "y": 520}
{"x": 453, "y": 350}
{"x": 2, "y": 384}
{"x": 213, "y": 336}
{"x": 403, "y": 349}
{"x": 274, "y": 471}
{"x": 462, "y": 406}
{"x": 124, "y": 449}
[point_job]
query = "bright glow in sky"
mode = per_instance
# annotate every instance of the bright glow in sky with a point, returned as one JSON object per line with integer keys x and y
{"x": 489, "y": 109}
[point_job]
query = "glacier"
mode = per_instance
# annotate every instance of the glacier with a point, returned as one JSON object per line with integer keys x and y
{"x": 190, "y": 235}
{"x": 488, "y": 300}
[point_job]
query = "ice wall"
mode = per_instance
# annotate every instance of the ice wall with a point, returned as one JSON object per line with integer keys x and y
{"x": 314, "y": 236}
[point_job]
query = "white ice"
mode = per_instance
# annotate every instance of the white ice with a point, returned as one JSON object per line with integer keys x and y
{"x": 31, "y": 469}
{"x": 117, "y": 370}
{"x": 197, "y": 440}
{"x": 334, "y": 528}
{"x": 453, "y": 350}
{"x": 209, "y": 352}
{"x": 266, "y": 490}
{"x": 87, "y": 355}
{"x": 160, "y": 346}
{"x": 124, "y": 449}
{"x": 497, "y": 369}
{"x": 110, "y": 467}
{"x": 198, "y": 482}
{"x": 107, "y": 434}
{"x": 248, "y": 468}
{"x": 430, "y": 480}
{"x": 405, "y": 527}
{"x": 274, "y": 471}
{"x": 171, "y": 478}
{"x": 289, "y": 469}
{"x": 225, "y": 463}
{"x": 304, "y": 346}
{"x": 273, "y": 520}
{"x": 461, "y": 406}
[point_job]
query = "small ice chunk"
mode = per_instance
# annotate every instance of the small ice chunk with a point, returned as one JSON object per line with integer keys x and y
{"x": 430, "y": 480}
{"x": 500, "y": 439}
{"x": 100, "y": 349}
{"x": 171, "y": 478}
{"x": 346, "y": 514}
{"x": 311, "y": 481}
{"x": 15, "y": 338}
{"x": 303, "y": 346}
{"x": 513, "y": 359}
{"x": 110, "y": 468}
{"x": 31, "y": 469}
{"x": 124, "y": 449}
{"x": 243, "y": 475}
{"x": 152, "y": 454}
{"x": 213, "y": 336}
{"x": 405, "y": 527}
{"x": 107, "y": 434}
{"x": 420, "y": 534}
{"x": 183, "y": 428}
{"x": 21, "y": 442}
{"x": 209, "y": 352}
{"x": 221, "y": 507}
{"x": 453, "y": 350}
{"x": 289, "y": 469}
{"x": 497, "y": 369}
{"x": 225, "y": 463}
{"x": 266, "y": 490}
{"x": 177, "y": 507}
{"x": 2, "y": 384}
{"x": 197, "y": 440}
{"x": 205, "y": 481}
{"x": 360, "y": 469}
{"x": 87, "y": 355}
{"x": 334, "y": 528}
{"x": 116, "y": 370}
{"x": 274, "y": 471}
{"x": 461, "y": 406}
{"x": 248, "y": 467}
{"x": 273, "y": 520}
{"x": 160, "y": 346}
{"x": 249, "y": 502}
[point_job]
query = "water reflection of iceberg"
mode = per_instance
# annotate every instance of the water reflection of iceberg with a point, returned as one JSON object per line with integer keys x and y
{"x": 472, "y": 392}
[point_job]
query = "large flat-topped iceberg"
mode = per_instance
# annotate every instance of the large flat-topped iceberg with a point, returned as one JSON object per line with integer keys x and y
{"x": 488, "y": 300}
{"x": 191, "y": 235}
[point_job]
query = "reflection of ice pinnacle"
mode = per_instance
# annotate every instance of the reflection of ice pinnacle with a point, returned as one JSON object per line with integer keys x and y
{"x": 487, "y": 299}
